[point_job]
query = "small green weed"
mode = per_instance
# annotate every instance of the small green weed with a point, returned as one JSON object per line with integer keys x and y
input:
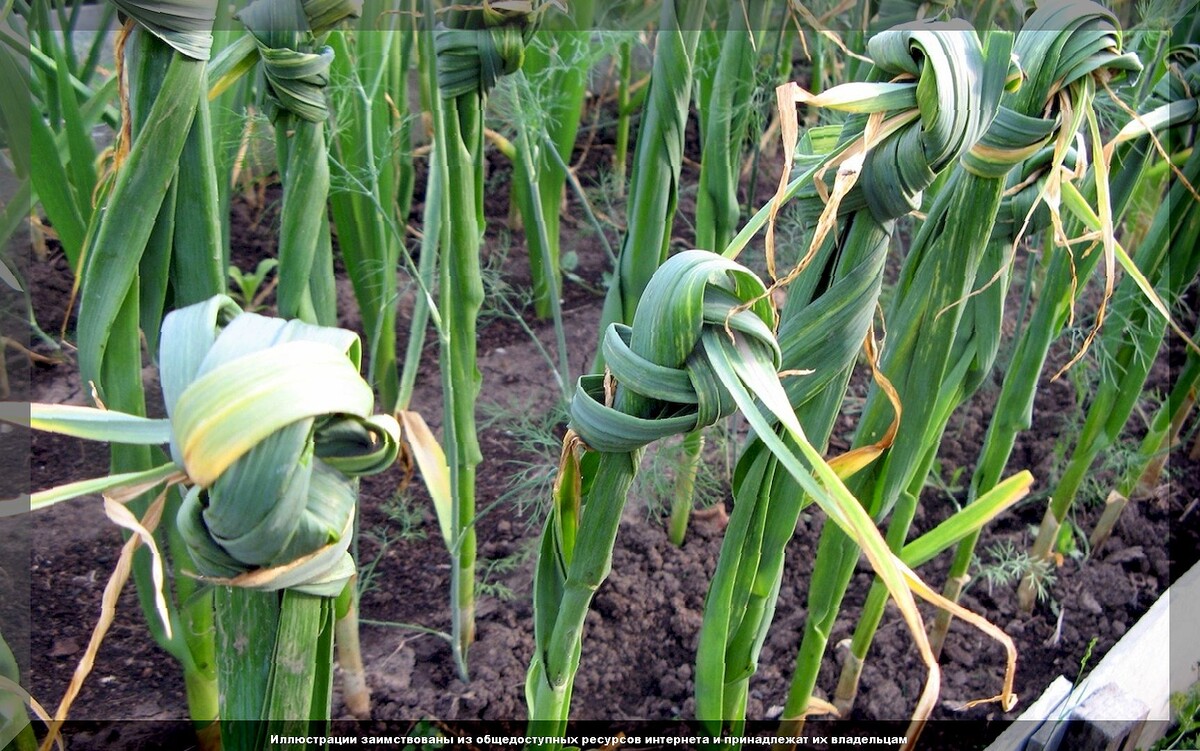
{"x": 1083, "y": 661}
{"x": 1185, "y": 706}
{"x": 1005, "y": 566}
{"x": 1072, "y": 541}
{"x": 248, "y": 289}
{"x": 493, "y": 569}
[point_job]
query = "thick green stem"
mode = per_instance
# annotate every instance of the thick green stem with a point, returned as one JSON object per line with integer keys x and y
{"x": 301, "y": 670}
{"x": 624, "y": 114}
{"x": 552, "y": 672}
{"x": 928, "y": 361}
{"x": 198, "y": 632}
{"x": 858, "y": 278}
{"x": 121, "y": 230}
{"x": 872, "y": 611}
{"x": 197, "y": 263}
{"x": 274, "y": 666}
{"x": 685, "y": 487}
{"x": 204, "y": 706}
{"x": 838, "y": 556}
{"x": 726, "y": 116}
{"x": 461, "y": 299}
{"x": 1014, "y": 407}
{"x": 111, "y": 355}
{"x": 226, "y": 124}
{"x": 1142, "y": 477}
{"x": 936, "y": 284}
{"x": 161, "y": 127}
{"x": 355, "y": 692}
{"x": 874, "y": 487}
{"x": 247, "y": 627}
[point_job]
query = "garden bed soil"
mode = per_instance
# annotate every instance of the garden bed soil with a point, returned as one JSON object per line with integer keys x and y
{"x": 641, "y": 633}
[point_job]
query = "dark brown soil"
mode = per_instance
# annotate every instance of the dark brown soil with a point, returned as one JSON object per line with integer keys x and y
{"x": 642, "y": 632}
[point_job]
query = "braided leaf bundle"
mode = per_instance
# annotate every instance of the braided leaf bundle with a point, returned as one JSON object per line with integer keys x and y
{"x": 1131, "y": 153}
{"x": 900, "y": 136}
{"x": 943, "y": 262}
{"x": 926, "y": 362}
{"x": 272, "y": 513}
{"x": 273, "y": 467}
{"x": 701, "y": 346}
{"x": 1169, "y": 260}
{"x": 269, "y": 426}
